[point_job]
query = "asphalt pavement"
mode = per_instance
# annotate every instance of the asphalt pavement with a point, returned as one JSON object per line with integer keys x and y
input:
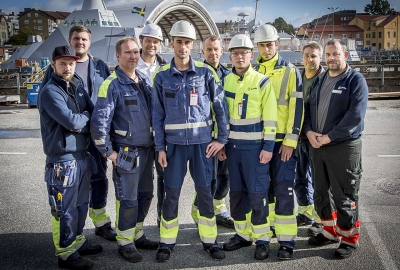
{"x": 25, "y": 227}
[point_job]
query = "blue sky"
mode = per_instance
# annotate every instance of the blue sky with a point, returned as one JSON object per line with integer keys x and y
{"x": 296, "y": 12}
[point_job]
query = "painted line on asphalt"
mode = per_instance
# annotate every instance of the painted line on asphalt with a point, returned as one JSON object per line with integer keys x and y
{"x": 11, "y": 153}
{"x": 386, "y": 260}
{"x": 388, "y": 155}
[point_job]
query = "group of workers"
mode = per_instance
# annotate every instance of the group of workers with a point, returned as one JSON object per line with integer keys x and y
{"x": 263, "y": 134}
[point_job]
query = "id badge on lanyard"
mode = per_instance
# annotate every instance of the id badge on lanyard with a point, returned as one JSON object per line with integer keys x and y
{"x": 194, "y": 98}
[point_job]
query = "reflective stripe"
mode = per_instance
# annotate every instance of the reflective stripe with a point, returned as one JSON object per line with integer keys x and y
{"x": 285, "y": 80}
{"x": 151, "y": 129}
{"x": 348, "y": 233}
{"x": 209, "y": 223}
{"x": 243, "y": 122}
{"x": 244, "y": 236}
{"x": 270, "y": 123}
{"x": 269, "y": 137}
{"x": 293, "y": 137}
{"x": 99, "y": 216}
{"x": 285, "y": 220}
{"x": 139, "y": 230}
{"x": 127, "y": 233}
{"x": 242, "y": 226}
{"x": 124, "y": 242}
{"x": 188, "y": 125}
{"x": 206, "y": 240}
{"x": 265, "y": 237}
{"x": 219, "y": 206}
{"x": 99, "y": 142}
{"x": 121, "y": 132}
{"x": 281, "y": 237}
{"x": 246, "y": 135}
{"x": 330, "y": 222}
{"x": 261, "y": 230}
{"x": 171, "y": 225}
{"x": 297, "y": 94}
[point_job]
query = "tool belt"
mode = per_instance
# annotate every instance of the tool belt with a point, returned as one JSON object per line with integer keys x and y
{"x": 128, "y": 157}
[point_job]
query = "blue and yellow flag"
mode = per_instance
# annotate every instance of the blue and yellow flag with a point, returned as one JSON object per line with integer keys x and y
{"x": 140, "y": 11}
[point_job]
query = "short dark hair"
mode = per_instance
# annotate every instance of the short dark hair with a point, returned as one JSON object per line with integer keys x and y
{"x": 313, "y": 45}
{"x": 79, "y": 29}
{"x": 123, "y": 40}
{"x": 336, "y": 41}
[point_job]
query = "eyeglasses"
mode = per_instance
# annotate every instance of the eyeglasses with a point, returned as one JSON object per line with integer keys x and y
{"x": 242, "y": 54}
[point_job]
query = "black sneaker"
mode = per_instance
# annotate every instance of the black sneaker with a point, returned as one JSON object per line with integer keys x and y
{"x": 319, "y": 240}
{"x": 163, "y": 254}
{"x": 91, "y": 250}
{"x": 76, "y": 264}
{"x": 343, "y": 251}
{"x": 107, "y": 233}
{"x": 216, "y": 252}
{"x": 226, "y": 222}
{"x": 145, "y": 243}
{"x": 130, "y": 254}
{"x": 262, "y": 251}
{"x": 315, "y": 229}
{"x": 285, "y": 253}
{"x": 302, "y": 220}
{"x": 235, "y": 244}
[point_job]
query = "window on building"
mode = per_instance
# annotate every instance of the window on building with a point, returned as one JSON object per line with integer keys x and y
{"x": 368, "y": 42}
{"x": 341, "y": 18}
{"x": 36, "y": 15}
{"x": 330, "y": 36}
{"x": 39, "y": 21}
{"x": 344, "y": 36}
{"x": 368, "y": 28}
{"x": 394, "y": 34}
{"x": 357, "y": 35}
{"x": 40, "y": 28}
{"x": 29, "y": 15}
{"x": 380, "y": 34}
{"x": 35, "y": 27}
{"x": 395, "y": 24}
{"x": 388, "y": 35}
{"x": 26, "y": 22}
{"x": 374, "y": 24}
{"x": 34, "y": 21}
{"x": 373, "y": 35}
{"x": 368, "y": 22}
{"x": 388, "y": 45}
{"x": 316, "y": 37}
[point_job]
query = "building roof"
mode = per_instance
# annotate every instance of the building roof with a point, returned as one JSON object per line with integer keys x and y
{"x": 388, "y": 20}
{"x": 338, "y": 28}
{"x": 48, "y": 14}
{"x": 367, "y": 17}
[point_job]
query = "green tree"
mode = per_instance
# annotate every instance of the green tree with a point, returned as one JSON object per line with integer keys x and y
{"x": 379, "y": 7}
{"x": 281, "y": 25}
{"x": 22, "y": 36}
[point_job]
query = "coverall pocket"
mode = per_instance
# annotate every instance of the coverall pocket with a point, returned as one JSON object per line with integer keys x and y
{"x": 353, "y": 178}
{"x": 171, "y": 93}
{"x": 127, "y": 158}
{"x": 62, "y": 174}
{"x": 262, "y": 178}
{"x": 130, "y": 102}
{"x": 290, "y": 170}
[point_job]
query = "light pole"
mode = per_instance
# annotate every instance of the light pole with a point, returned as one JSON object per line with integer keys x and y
{"x": 333, "y": 20}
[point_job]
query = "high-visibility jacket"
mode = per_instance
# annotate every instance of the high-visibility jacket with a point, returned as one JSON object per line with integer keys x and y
{"x": 252, "y": 110}
{"x": 286, "y": 81}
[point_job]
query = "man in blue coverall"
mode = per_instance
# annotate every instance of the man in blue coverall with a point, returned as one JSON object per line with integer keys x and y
{"x": 183, "y": 95}
{"x": 91, "y": 72}
{"x": 65, "y": 109}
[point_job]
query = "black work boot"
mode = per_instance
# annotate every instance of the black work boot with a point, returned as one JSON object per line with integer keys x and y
{"x": 315, "y": 229}
{"x": 163, "y": 254}
{"x": 225, "y": 221}
{"x": 130, "y": 254}
{"x": 343, "y": 251}
{"x": 235, "y": 244}
{"x": 285, "y": 253}
{"x": 262, "y": 251}
{"x": 76, "y": 264}
{"x": 320, "y": 240}
{"x": 107, "y": 233}
{"x": 91, "y": 250}
{"x": 145, "y": 243}
{"x": 216, "y": 252}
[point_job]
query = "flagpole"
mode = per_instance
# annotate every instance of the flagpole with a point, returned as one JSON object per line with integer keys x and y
{"x": 144, "y": 15}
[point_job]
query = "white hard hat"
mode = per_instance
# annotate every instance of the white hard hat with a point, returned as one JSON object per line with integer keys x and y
{"x": 240, "y": 41}
{"x": 152, "y": 30}
{"x": 266, "y": 33}
{"x": 183, "y": 29}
